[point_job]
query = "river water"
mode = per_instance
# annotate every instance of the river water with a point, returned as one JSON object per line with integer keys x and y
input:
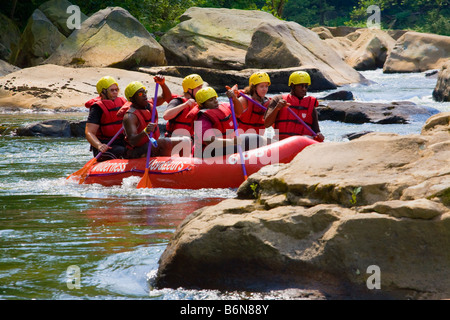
{"x": 51, "y": 228}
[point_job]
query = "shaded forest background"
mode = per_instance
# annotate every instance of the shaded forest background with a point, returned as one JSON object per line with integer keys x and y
{"x": 157, "y": 16}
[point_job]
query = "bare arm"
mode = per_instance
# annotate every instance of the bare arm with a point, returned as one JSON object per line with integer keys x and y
{"x": 166, "y": 94}
{"x": 238, "y": 109}
{"x": 243, "y": 103}
{"x": 130, "y": 124}
{"x": 173, "y": 110}
{"x": 315, "y": 126}
{"x": 233, "y": 94}
{"x": 272, "y": 111}
{"x": 90, "y": 133}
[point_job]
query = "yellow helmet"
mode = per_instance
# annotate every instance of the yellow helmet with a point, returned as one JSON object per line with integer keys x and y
{"x": 204, "y": 94}
{"x": 105, "y": 83}
{"x": 131, "y": 89}
{"x": 192, "y": 81}
{"x": 298, "y": 77}
{"x": 258, "y": 77}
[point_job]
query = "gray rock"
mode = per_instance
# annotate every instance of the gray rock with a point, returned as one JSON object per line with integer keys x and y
{"x": 38, "y": 41}
{"x": 56, "y": 12}
{"x": 9, "y": 37}
{"x": 95, "y": 44}
{"x": 418, "y": 52}
{"x": 339, "y": 95}
{"x": 48, "y": 128}
{"x": 380, "y": 113}
{"x": 215, "y": 38}
{"x": 442, "y": 90}
{"x": 280, "y": 44}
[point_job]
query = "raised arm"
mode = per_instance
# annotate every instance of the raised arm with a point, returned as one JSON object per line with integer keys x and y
{"x": 166, "y": 93}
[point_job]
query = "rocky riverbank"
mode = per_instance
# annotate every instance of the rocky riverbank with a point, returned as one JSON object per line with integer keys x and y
{"x": 338, "y": 218}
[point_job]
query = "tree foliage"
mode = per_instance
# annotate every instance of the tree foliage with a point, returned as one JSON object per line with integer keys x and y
{"x": 160, "y": 15}
{"x": 421, "y": 15}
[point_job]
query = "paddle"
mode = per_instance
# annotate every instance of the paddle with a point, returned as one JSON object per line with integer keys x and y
{"x": 145, "y": 181}
{"x": 289, "y": 109}
{"x": 237, "y": 135}
{"x": 82, "y": 173}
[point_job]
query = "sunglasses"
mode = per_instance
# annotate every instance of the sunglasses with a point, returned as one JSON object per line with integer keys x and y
{"x": 303, "y": 85}
{"x": 141, "y": 93}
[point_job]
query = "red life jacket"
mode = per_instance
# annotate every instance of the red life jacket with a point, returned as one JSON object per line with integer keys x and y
{"x": 221, "y": 118}
{"x": 145, "y": 117}
{"x": 287, "y": 124}
{"x": 184, "y": 119}
{"x": 252, "y": 117}
{"x": 110, "y": 123}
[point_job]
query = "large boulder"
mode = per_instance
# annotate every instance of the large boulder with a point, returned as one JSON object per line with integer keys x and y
{"x": 9, "y": 37}
{"x": 365, "y": 218}
{"x": 370, "y": 49}
{"x": 279, "y": 44}
{"x": 442, "y": 90}
{"x": 38, "y": 41}
{"x": 56, "y": 12}
{"x": 371, "y": 112}
{"x": 213, "y": 37}
{"x": 109, "y": 38}
{"x": 363, "y": 49}
{"x": 418, "y": 52}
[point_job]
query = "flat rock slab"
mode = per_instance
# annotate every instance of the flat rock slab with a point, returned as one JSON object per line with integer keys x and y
{"x": 52, "y": 87}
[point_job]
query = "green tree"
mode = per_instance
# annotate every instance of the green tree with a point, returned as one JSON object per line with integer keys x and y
{"x": 422, "y": 15}
{"x": 160, "y": 15}
{"x": 275, "y": 7}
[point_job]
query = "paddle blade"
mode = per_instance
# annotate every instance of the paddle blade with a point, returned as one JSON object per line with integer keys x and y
{"x": 145, "y": 181}
{"x": 81, "y": 174}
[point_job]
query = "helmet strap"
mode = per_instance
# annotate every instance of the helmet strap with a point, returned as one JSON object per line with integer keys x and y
{"x": 191, "y": 93}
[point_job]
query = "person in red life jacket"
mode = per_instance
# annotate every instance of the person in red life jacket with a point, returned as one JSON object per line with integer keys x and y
{"x": 137, "y": 116}
{"x": 252, "y": 116}
{"x": 103, "y": 123}
{"x": 181, "y": 110}
{"x": 286, "y": 124}
{"x": 214, "y": 128}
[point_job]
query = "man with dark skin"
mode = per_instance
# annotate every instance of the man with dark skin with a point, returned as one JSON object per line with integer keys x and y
{"x": 304, "y": 106}
{"x": 138, "y": 125}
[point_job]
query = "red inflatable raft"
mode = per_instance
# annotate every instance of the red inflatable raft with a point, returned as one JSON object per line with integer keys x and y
{"x": 194, "y": 173}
